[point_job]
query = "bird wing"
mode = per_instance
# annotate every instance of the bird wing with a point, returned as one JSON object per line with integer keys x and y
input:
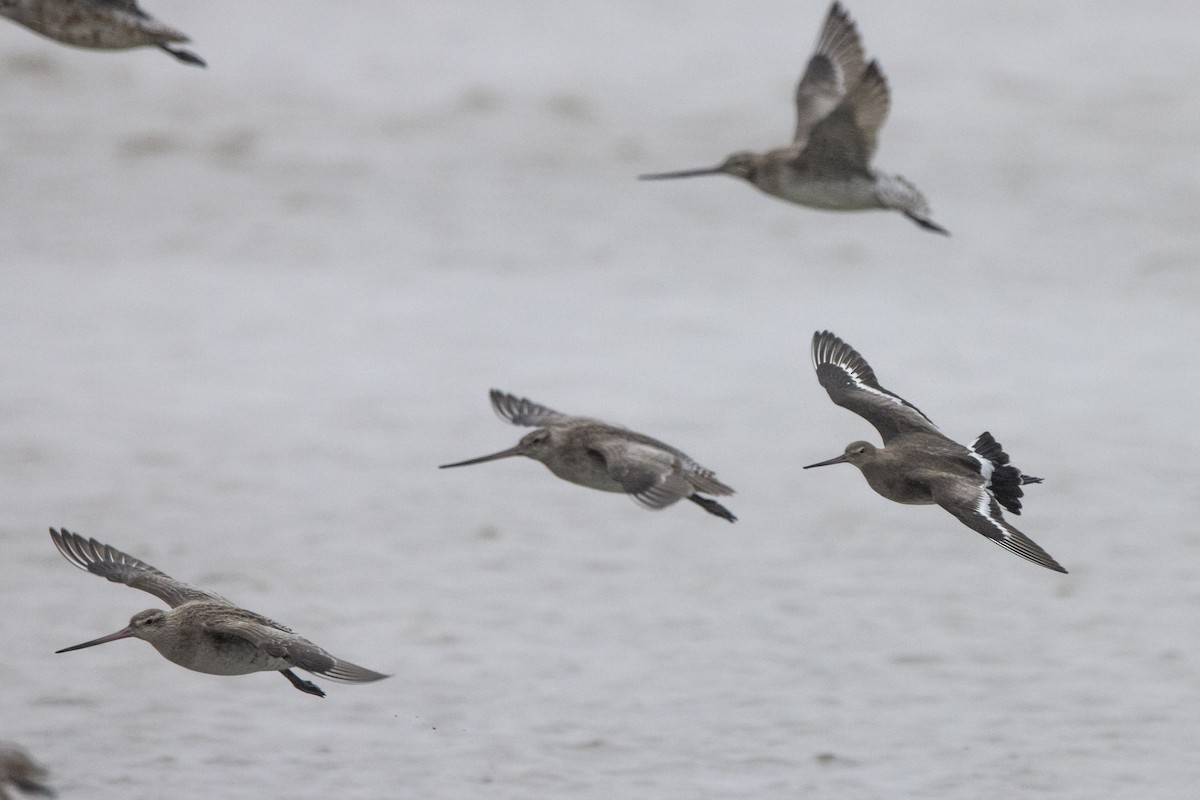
{"x": 699, "y": 476}
{"x": 976, "y": 507}
{"x": 146, "y": 23}
{"x": 24, "y": 773}
{"x": 836, "y": 64}
{"x": 520, "y": 411}
{"x": 274, "y": 640}
{"x": 651, "y": 474}
{"x": 845, "y": 139}
{"x": 109, "y": 562}
{"x": 851, "y": 383}
{"x": 130, "y": 6}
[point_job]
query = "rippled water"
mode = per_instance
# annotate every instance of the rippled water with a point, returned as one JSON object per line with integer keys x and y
{"x": 247, "y": 310}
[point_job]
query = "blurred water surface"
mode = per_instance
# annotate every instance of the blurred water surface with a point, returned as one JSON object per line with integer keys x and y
{"x": 247, "y": 310}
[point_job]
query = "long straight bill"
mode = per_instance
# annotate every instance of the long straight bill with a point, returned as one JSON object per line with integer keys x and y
{"x": 124, "y": 633}
{"x": 509, "y": 453}
{"x": 842, "y": 459}
{"x": 685, "y": 173}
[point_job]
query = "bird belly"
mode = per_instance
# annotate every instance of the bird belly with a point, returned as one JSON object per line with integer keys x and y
{"x": 853, "y": 193}
{"x": 585, "y": 471}
{"x": 219, "y": 655}
{"x": 898, "y": 488}
{"x": 78, "y": 25}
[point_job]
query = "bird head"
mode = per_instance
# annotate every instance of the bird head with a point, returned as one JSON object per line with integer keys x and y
{"x": 143, "y": 625}
{"x": 856, "y": 453}
{"x": 536, "y": 445}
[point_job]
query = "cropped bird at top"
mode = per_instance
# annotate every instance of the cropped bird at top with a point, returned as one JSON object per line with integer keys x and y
{"x": 98, "y": 25}
{"x": 606, "y": 457}
{"x": 918, "y": 464}
{"x": 203, "y": 631}
{"x": 19, "y": 770}
{"x": 841, "y": 104}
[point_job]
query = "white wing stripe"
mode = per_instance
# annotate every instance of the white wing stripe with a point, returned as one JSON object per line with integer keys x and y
{"x": 986, "y": 507}
{"x": 857, "y": 379}
{"x": 985, "y": 466}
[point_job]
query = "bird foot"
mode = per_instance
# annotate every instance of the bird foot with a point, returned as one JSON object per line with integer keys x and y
{"x": 308, "y": 687}
{"x": 927, "y": 224}
{"x": 186, "y": 56}
{"x": 713, "y": 507}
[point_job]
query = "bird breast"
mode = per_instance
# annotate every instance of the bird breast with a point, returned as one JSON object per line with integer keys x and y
{"x": 849, "y": 193}
{"x": 895, "y": 485}
{"x": 581, "y": 466}
{"x": 216, "y": 653}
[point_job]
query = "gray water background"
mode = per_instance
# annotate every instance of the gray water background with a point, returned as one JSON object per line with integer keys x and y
{"x": 246, "y": 311}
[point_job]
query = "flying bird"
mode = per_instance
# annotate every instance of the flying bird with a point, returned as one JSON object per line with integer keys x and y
{"x": 918, "y": 464}
{"x": 203, "y": 631}
{"x": 98, "y": 25}
{"x": 21, "y": 771}
{"x": 841, "y": 104}
{"x": 606, "y": 457}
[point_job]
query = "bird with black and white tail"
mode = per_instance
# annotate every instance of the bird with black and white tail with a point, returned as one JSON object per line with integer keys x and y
{"x": 918, "y": 464}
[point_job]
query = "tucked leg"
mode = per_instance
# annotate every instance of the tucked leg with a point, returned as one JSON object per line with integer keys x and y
{"x": 308, "y": 687}
{"x": 186, "y": 56}
{"x": 713, "y": 507}
{"x": 29, "y": 786}
{"x": 927, "y": 224}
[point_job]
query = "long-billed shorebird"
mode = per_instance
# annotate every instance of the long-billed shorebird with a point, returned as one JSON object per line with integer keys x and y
{"x": 606, "y": 457}
{"x": 841, "y": 105}
{"x": 98, "y": 25}
{"x": 203, "y": 631}
{"x": 918, "y": 464}
{"x": 21, "y": 771}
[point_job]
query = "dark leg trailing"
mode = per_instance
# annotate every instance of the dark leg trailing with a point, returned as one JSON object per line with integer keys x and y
{"x": 713, "y": 507}
{"x": 308, "y": 687}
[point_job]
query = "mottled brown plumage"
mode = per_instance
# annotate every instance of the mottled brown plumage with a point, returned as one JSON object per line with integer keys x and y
{"x": 98, "y": 25}
{"x": 204, "y": 631}
{"x": 606, "y": 457}
{"x": 841, "y": 105}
